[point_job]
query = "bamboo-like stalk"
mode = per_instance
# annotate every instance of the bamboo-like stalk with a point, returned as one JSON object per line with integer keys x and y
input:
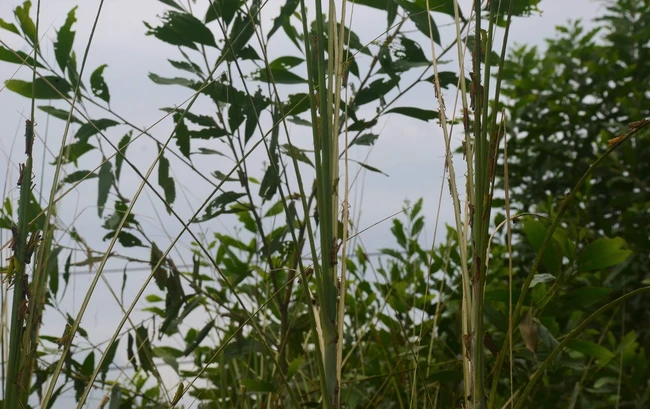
{"x": 326, "y": 146}
{"x": 13, "y": 389}
{"x": 20, "y": 359}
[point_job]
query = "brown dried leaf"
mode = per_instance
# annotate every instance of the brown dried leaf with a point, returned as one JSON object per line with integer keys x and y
{"x": 528, "y": 329}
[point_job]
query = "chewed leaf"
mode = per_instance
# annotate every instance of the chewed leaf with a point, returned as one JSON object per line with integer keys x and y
{"x": 218, "y": 205}
{"x": 64, "y": 40}
{"x": 182, "y": 29}
{"x": 98, "y": 85}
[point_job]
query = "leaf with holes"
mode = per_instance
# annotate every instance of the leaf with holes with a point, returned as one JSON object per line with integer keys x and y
{"x": 98, "y": 85}
{"x": 218, "y": 205}
{"x": 64, "y": 40}
{"x": 25, "y": 21}
{"x": 182, "y": 29}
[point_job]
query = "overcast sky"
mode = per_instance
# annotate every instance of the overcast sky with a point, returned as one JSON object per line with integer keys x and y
{"x": 410, "y": 152}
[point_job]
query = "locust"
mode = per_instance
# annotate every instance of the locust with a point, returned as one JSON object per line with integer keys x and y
{"x": 66, "y": 337}
{"x": 33, "y": 241}
{"x": 29, "y": 137}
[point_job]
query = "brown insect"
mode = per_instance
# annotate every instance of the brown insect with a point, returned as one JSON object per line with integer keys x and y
{"x": 66, "y": 337}
{"x": 637, "y": 124}
{"x": 307, "y": 273}
{"x": 334, "y": 252}
{"x": 471, "y": 215}
{"x": 468, "y": 346}
{"x": 616, "y": 140}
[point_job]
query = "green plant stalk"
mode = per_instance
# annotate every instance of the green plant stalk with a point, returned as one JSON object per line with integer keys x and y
{"x": 36, "y": 308}
{"x": 549, "y": 235}
{"x": 481, "y": 205}
{"x": 328, "y": 223}
{"x": 571, "y": 335}
{"x": 13, "y": 391}
{"x": 16, "y": 394}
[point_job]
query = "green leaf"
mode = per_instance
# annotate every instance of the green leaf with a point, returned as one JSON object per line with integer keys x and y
{"x": 377, "y": 89}
{"x": 77, "y": 176}
{"x": 602, "y": 253}
{"x": 72, "y": 152}
{"x": 171, "y": 81}
{"x": 126, "y": 239}
{"x": 182, "y": 135}
{"x": 93, "y": 127}
{"x": 105, "y": 183}
{"x": 59, "y": 113}
{"x": 258, "y": 386}
{"x": 53, "y": 269}
{"x": 423, "y": 114}
{"x": 371, "y": 168}
{"x": 9, "y": 27}
{"x": 199, "y": 338}
{"x": 225, "y": 9}
{"x": 241, "y": 32}
{"x": 278, "y": 76}
{"x": 169, "y": 355}
{"x": 421, "y": 18}
{"x": 294, "y": 365}
{"x": 171, "y": 3}
{"x": 73, "y": 75}
{"x": 143, "y": 347}
{"x": 218, "y": 205}
{"x": 49, "y": 87}
{"x": 26, "y": 23}
{"x": 22, "y": 58}
{"x": 109, "y": 359}
{"x": 186, "y": 66}
{"x": 119, "y": 158}
{"x": 208, "y": 133}
{"x": 98, "y": 85}
{"x": 535, "y": 232}
{"x": 166, "y": 181}
{"x": 116, "y": 398}
{"x": 64, "y": 40}
{"x": 541, "y": 279}
{"x": 297, "y": 104}
{"x": 296, "y": 153}
{"x": 275, "y": 210}
{"x": 287, "y": 62}
{"x": 446, "y": 79}
{"x": 88, "y": 366}
{"x": 585, "y": 297}
{"x": 182, "y": 29}
{"x": 286, "y": 11}
{"x": 590, "y": 349}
